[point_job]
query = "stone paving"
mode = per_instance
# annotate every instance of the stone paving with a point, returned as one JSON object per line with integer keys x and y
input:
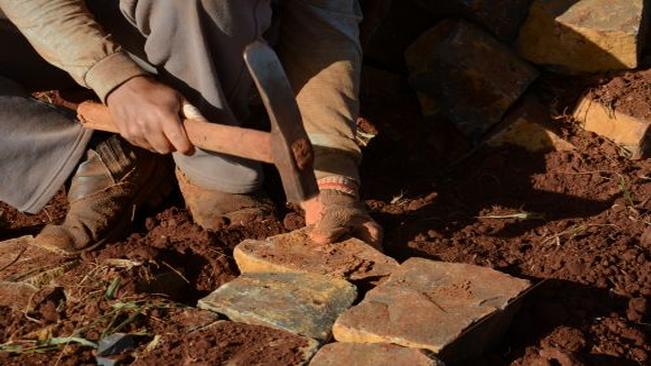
{"x": 422, "y": 309}
{"x": 428, "y": 305}
{"x": 378, "y": 354}
{"x": 352, "y": 259}
{"x": 301, "y": 303}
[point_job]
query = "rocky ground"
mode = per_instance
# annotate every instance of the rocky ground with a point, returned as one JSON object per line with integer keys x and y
{"x": 578, "y": 220}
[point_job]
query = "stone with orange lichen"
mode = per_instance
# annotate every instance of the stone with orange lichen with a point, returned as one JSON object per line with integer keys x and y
{"x": 22, "y": 261}
{"x": 301, "y": 303}
{"x": 358, "y": 354}
{"x": 433, "y": 305}
{"x": 351, "y": 259}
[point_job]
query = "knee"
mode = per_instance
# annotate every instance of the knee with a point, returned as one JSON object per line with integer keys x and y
{"x": 220, "y": 172}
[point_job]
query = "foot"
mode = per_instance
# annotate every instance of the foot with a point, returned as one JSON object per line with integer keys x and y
{"x": 114, "y": 180}
{"x": 212, "y": 209}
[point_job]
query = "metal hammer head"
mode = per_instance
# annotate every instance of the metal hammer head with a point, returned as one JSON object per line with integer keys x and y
{"x": 290, "y": 147}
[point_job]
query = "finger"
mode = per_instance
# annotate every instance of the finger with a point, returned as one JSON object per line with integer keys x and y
{"x": 135, "y": 138}
{"x": 192, "y": 112}
{"x": 159, "y": 142}
{"x": 370, "y": 232}
{"x": 176, "y": 135}
{"x": 141, "y": 143}
{"x": 328, "y": 236}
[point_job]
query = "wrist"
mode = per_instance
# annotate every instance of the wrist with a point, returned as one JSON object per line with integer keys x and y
{"x": 340, "y": 184}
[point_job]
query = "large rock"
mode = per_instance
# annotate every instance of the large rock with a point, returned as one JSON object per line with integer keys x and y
{"x": 305, "y": 304}
{"x": 632, "y": 134}
{"x": 295, "y": 252}
{"x": 585, "y": 35}
{"x": 337, "y": 354}
{"x": 455, "y": 310}
{"x": 229, "y": 343}
{"x": 502, "y": 17}
{"x": 22, "y": 261}
{"x": 527, "y": 126}
{"x": 16, "y": 295}
{"x": 464, "y": 70}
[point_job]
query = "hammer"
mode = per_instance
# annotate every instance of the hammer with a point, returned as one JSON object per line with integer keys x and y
{"x": 286, "y": 146}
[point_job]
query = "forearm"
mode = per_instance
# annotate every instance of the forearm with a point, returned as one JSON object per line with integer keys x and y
{"x": 66, "y": 35}
{"x": 321, "y": 53}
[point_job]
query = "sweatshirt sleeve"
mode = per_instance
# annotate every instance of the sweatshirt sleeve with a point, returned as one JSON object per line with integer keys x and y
{"x": 65, "y": 34}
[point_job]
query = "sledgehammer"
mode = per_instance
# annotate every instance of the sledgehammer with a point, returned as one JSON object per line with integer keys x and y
{"x": 286, "y": 146}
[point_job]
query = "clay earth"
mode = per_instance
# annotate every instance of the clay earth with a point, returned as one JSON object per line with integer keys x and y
{"x": 579, "y": 219}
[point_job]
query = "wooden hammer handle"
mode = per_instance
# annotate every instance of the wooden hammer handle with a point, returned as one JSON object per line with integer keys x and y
{"x": 236, "y": 141}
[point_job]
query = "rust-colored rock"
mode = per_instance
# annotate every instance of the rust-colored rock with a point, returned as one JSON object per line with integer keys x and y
{"x": 357, "y": 354}
{"x": 16, "y": 295}
{"x": 455, "y": 310}
{"x": 585, "y": 35}
{"x": 633, "y": 134}
{"x": 502, "y": 17}
{"x": 301, "y": 303}
{"x": 462, "y": 69}
{"x": 22, "y": 261}
{"x": 295, "y": 252}
{"x": 229, "y": 343}
{"x": 527, "y": 126}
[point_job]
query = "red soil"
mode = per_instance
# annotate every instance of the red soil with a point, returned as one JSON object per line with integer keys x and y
{"x": 587, "y": 233}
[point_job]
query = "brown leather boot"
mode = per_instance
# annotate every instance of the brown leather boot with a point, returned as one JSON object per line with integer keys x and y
{"x": 209, "y": 207}
{"x": 114, "y": 180}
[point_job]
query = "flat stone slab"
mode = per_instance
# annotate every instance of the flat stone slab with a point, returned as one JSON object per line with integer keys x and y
{"x": 584, "y": 35}
{"x": 301, "y": 303}
{"x": 233, "y": 344}
{"x": 475, "y": 79}
{"x": 296, "y": 253}
{"x": 16, "y": 295}
{"x": 632, "y": 134}
{"x": 430, "y": 305}
{"x": 21, "y": 261}
{"x": 378, "y": 354}
{"x": 526, "y": 126}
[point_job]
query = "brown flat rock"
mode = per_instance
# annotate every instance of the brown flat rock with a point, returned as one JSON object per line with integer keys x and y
{"x": 459, "y": 68}
{"x": 230, "y": 343}
{"x": 378, "y": 354}
{"x": 21, "y": 261}
{"x": 632, "y": 134}
{"x": 16, "y": 295}
{"x": 301, "y": 303}
{"x": 430, "y": 305}
{"x": 528, "y": 126}
{"x": 584, "y": 35}
{"x": 296, "y": 253}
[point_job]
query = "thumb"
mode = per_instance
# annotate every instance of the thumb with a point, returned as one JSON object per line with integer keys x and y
{"x": 191, "y": 112}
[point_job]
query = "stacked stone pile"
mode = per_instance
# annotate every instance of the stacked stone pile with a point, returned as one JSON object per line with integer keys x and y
{"x": 472, "y": 62}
